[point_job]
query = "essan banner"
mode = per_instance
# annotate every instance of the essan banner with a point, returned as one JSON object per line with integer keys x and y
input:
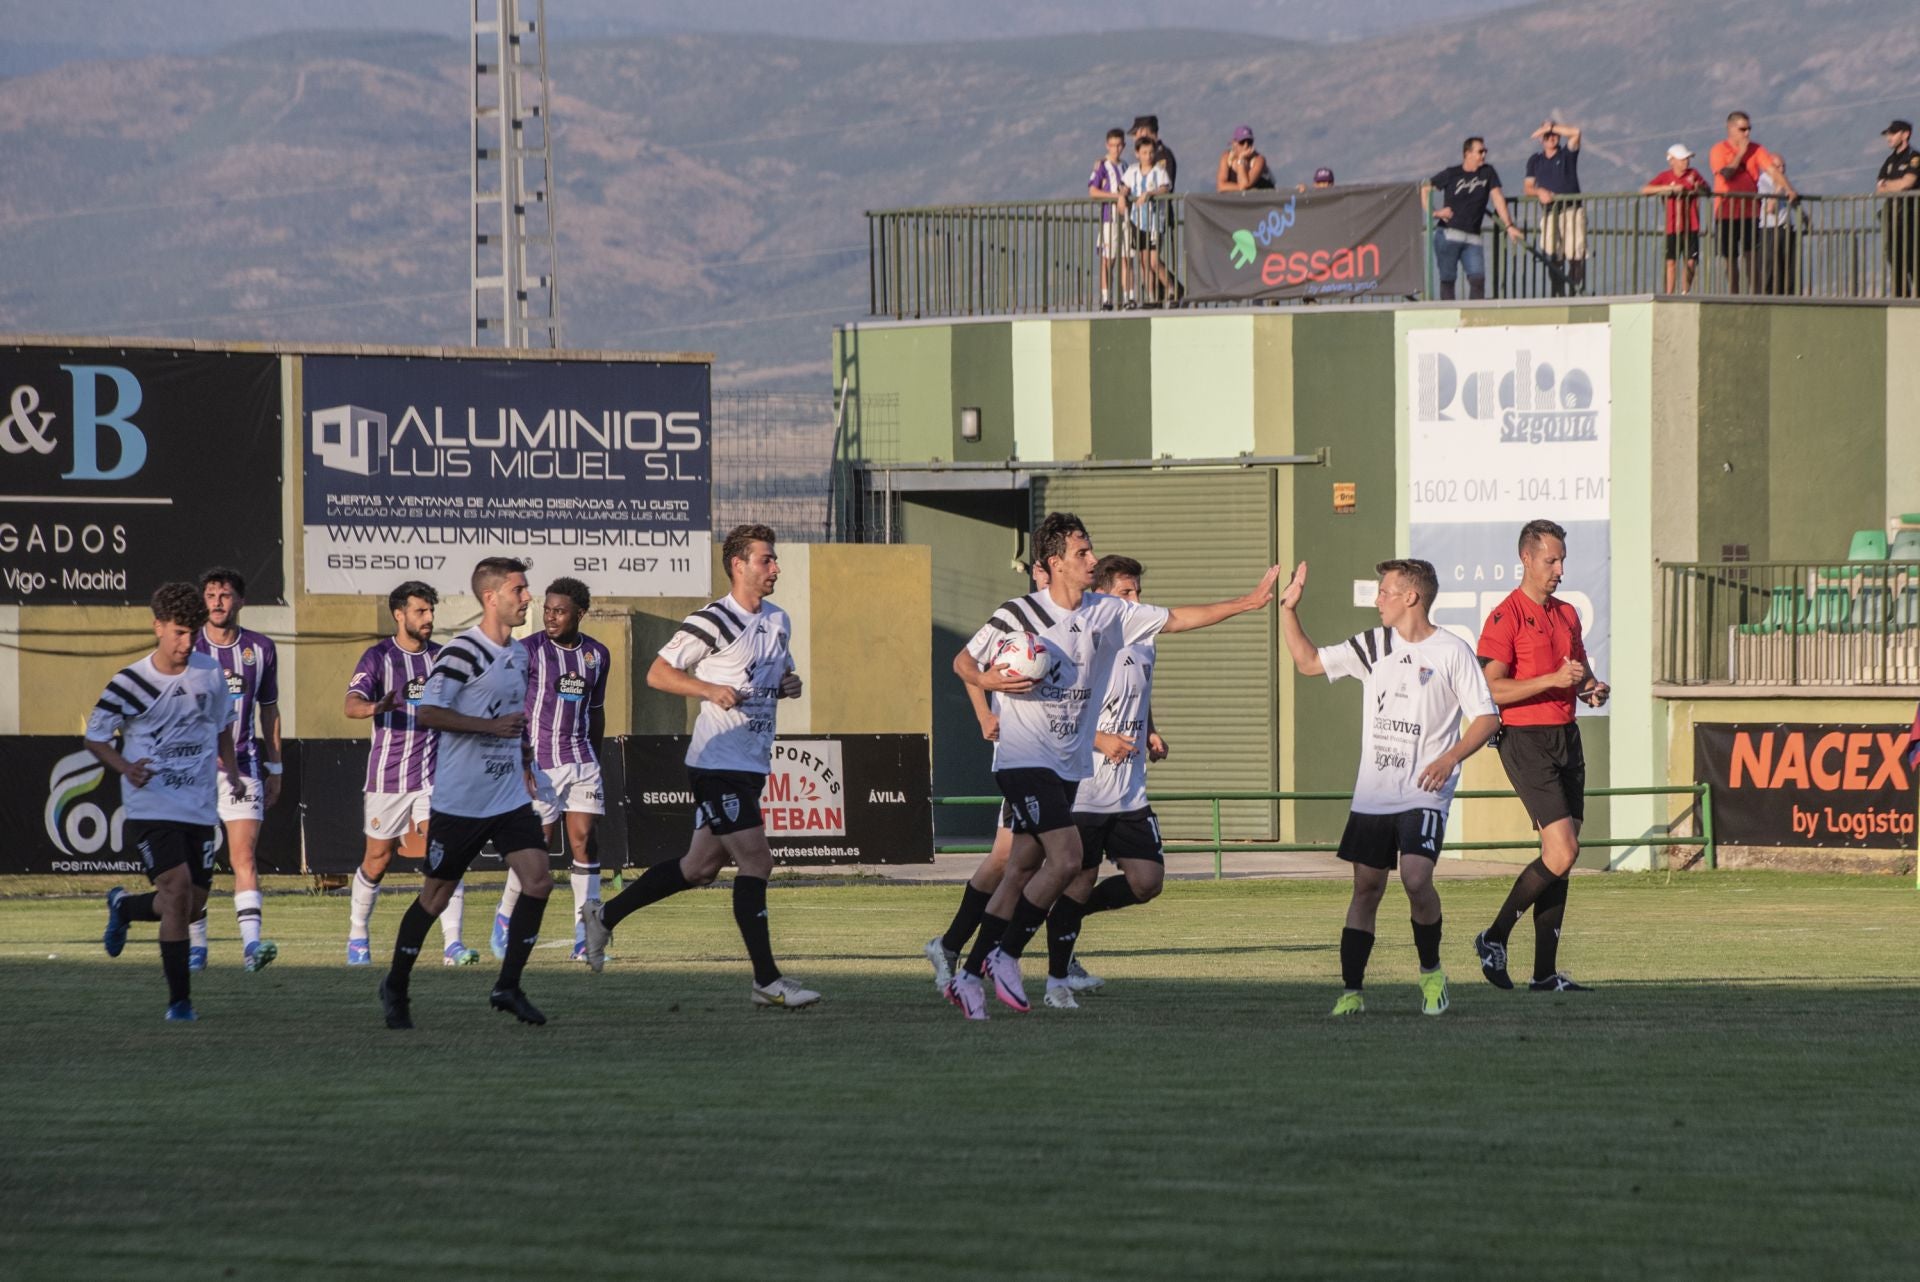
{"x": 1326, "y": 243}
{"x": 1844, "y": 786}
{"x": 416, "y": 469}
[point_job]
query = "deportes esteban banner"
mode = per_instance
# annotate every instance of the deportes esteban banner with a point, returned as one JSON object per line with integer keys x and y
{"x": 1830, "y": 786}
{"x": 1333, "y": 242}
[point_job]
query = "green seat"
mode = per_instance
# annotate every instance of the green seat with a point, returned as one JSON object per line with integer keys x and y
{"x": 1867, "y": 545}
{"x": 1832, "y": 612}
{"x": 1786, "y": 611}
{"x": 1906, "y": 546}
{"x": 1873, "y": 609}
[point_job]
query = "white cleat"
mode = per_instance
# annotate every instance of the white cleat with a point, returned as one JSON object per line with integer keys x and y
{"x": 1004, "y": 971}
{"x": 969, "y": 994}
{"x": 1082, "y": 979}
{"x": 782, "y": 992}
{"x": 1060, "y": 994}
{"x": 597, "y": 933}
{"x": 943, "y": 963}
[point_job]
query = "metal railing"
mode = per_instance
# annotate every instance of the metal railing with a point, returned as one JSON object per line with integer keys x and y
{"x": 1220, "y": 847}
{"x": 1791, "y": 623}
{"x": 1051, "y": 255}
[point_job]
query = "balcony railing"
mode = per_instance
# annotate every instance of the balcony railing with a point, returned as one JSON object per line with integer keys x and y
{"x": 1850, "y": 623}
{"x": 1044, "y": 256}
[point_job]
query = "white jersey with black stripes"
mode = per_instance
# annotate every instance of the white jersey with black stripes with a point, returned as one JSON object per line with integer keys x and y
{"x": 173, "y": 723}
{"x": 1047, "y": 727}
{"x": 746, "y": 651}
{"x": 1120, "y": 787}
{"x": 478, "y": 775}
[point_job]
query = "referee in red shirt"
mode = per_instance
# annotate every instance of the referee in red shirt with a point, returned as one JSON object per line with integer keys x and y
{"x": 1536, "y": 666}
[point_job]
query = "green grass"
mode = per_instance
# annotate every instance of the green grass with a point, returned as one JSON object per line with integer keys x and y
{"x": 1736, "y": 1100}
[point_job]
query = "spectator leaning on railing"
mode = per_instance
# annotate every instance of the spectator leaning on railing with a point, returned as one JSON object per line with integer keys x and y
{"x": 1107, "y": 184}
{"x": 1683, "y": 213}
{"x": 1737, "y": 162}
{"x": 1554, "y": 172}
{"x": 1146, "y": 179}
{"x": 1241, "y": 167}
{"x": 1149, "y": 127}
{"x": 1776, "y": 241}
{"x": 1465, "y": 190}
{"x": 1900, "y": 173}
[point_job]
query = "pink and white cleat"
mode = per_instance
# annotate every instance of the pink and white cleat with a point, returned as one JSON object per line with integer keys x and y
{"x": 966, "y": 992}
{"x": 1007, "y": 986}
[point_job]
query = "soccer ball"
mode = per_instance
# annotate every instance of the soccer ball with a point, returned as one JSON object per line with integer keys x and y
{"x": 1022, "y": 654}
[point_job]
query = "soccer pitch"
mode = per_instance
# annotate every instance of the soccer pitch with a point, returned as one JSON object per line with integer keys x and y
{"x": 1735, "y": 1099}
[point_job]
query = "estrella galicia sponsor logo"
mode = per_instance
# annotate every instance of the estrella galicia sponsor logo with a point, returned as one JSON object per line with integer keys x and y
{"x": 1533, "y": 403}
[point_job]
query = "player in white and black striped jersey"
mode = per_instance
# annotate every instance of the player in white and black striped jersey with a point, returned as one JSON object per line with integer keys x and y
{"x": 1420, "y": 680}
{"x": 733, "y": 656}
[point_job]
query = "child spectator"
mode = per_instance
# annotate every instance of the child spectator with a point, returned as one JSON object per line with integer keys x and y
{"x": 1683, "y": 213}
{"x": 1107, "y": 184}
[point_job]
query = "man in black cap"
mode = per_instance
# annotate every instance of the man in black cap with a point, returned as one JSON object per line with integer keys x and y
{"x": 1899, "y": 175}
{"x": 1149, "y": 127}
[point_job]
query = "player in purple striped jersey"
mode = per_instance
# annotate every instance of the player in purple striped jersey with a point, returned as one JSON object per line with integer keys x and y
{"x": 385, "y": 688}
{"x": 566, "y": 717}
{"x": 252, "y": 670}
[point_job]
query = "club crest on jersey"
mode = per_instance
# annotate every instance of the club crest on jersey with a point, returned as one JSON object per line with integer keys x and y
{"x": 247, "y": 655}
{"x": 593, "y": 659}
{"x": 1426, "y": 675}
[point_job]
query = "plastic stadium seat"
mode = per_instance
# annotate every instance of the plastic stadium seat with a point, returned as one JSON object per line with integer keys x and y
{"x": 1832, "y": 612}
{"x": 1906, "y": 609}
{"x": 1906, "y": 546}
{"x": 1786, "y": 610}
{"x": 1872, "y": 609}
{"x": 1868, "y": 545}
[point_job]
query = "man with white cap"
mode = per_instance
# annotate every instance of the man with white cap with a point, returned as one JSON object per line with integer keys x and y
{"x": 1680, "y": 182}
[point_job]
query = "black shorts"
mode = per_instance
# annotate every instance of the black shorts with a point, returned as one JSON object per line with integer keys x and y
{"x": 1378, "y": 841}
{"x": 1683, "y": 246}
{"x": 167, "y": 843}
{"x": 1548, "y": 770}
{"x": 1006, "y": 815}
{"x": 727, "y": 801}
{"x": 1133, "y": 835}
{"x": 1734, "y": 236}
{"x": 455, "y": 841}
{"x": 1041, "y": 800}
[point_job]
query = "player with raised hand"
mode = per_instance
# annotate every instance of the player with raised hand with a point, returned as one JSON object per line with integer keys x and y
{"x": 566, "y": 720}
{"x": 252, "y": 669}
{"x": 1046, "y": 737}
{"x": 732, "y": 656}
{"x": 175, "y": 717}
{"x": 476, "y": 699}
{"x": 1420, "y": 680}
{"x": 385, "y": 689}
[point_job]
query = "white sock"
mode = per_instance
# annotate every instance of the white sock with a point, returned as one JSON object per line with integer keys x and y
{"x": 246, "y": 907}
{"x": 511, "y": 895}
{"x": 365, "y": 892}
{"x": 450, "y": 919}
{"x": 586, "y": 887}
{"x": 197, "y": 933}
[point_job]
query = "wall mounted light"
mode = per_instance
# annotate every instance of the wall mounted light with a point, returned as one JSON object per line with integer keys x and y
{"x": 970, "y": 423}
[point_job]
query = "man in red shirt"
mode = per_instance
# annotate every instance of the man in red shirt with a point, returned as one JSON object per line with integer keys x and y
{"x": 1536, "y": 666}
{"x": 1738, "y": 161}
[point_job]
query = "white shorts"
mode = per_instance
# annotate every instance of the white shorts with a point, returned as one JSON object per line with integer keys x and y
{"x": 251, "y": 806}
{"x": 391, "y": 815}
{"x": 568, "y": 790}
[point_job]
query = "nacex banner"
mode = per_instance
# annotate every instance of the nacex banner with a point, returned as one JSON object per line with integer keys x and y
{"x": 1836, "y": 786}
{"x": 1326, "y": 243}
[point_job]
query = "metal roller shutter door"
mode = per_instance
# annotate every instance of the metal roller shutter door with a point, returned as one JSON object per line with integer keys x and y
{"x": 1202, "y": 536}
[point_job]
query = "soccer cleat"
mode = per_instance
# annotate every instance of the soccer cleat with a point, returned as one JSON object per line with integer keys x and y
{"x": 515, "y": 1003}
{"x": 1082, "y": 979}
{"x": 1493, "y": 961}
{"x": 181, "y": 1013}
{"x": 114, "y": 938}
{"x": 1007, "y": 985}
{"x": 594, "y": 934}
{"x": 395, "y": 1006}
{"x": 260, "y": 953}
{"x": 1433, "y": 992}
{"x": 196, "y": 958}
{"x": 499, "y": 941}
{"x": 1060, "y": 994}
{"x": 359, "y": 952}
{"x": 1558, "y": 982}
{"x": 1349, "y": 1004}
{"x": 784, "y": 993}
{"x": 942, "y": 962}
{"x": 459, "y": 955}
{"x": 966, "y": 992}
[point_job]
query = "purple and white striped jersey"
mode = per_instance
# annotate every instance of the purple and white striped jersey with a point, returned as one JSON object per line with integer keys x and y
{"x": 253, "y": 679}
{"x": 564, "y": 686}
{"x": 401, "y": 759}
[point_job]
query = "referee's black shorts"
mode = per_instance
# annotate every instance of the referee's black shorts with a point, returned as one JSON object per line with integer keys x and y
{"x": 1548, "y": 770}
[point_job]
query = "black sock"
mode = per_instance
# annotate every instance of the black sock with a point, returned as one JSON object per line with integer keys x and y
{"x": 750, "y": 915}
{"x": 173, "y": 960}
{"x": 1527, "y": 887}
{"x": 1426, "y": 942}
{"x": 406, "y": 944}
{"x": 523, "y": 932}
{"x": 139, "y": 908}
{"x": 992, "y": 930}
{"x": 1021, "y": 928}
{"x": 973, "y": 905}
{"x": 653, "y": 885}
{"x": 1063, "y": 932}
{"x": 1549, "y": 910}
{"x": 1355, "y": 947}
{"x": 1113, "y": 893}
